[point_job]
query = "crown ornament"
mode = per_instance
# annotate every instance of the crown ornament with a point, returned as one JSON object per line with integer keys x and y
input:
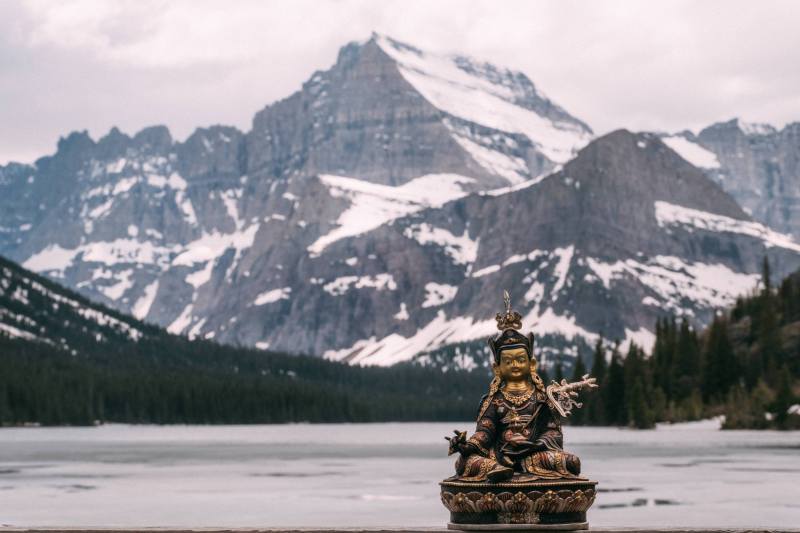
{"x": 508, "y": 319}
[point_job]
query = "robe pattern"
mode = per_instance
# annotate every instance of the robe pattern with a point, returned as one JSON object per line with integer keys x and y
{"x": 524, "y": 437}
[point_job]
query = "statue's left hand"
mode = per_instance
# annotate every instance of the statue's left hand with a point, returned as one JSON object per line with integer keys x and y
{"x": 456, "y": 443}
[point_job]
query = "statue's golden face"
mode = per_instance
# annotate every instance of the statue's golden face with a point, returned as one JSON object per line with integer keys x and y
{"x": 514, "y": 365}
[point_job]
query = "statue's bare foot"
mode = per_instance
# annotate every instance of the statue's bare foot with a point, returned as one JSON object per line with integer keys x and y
{"x": 499, "y": 473}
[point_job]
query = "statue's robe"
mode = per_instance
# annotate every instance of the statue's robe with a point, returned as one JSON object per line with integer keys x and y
{"x": 492, "y": 445}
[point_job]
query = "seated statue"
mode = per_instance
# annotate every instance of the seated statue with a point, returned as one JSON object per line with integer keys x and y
{"x": 519, "y": 421}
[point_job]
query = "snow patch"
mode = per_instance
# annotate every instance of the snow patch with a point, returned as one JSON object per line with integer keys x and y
{"x": 200, "y": 277}
{"x": 53, "y": 257}
{"x": 183, "y": 321}
{"x": 142, "y": 306}
{"x": 402, "y": 314}
{"x": 754, "y": 128}
{"x": 272, "y": 296}
{"x": 642, "y": 337}
{"x": 229, "y": 198}
{"x": 15, "y": 332}
{"x": 491, "y": 269}
{"x": 674, "y": 281}
{"x": 692, "y": 152}
{"x": 212, "y": 245}
{"x": 522, "y": 185}
{"x": 512, "y": 168}
{"x": 549, "y": 322}
{"x": 671, "y": 214}
{"x": 437, "y": 294}
{"x": 395, "y": 348}
{"x": 115, "y": 167}
{"x": 461, "y": 249}
{"x": 373, "y": 205}
{"x": 442, "y": 331}
{"x": 343, "y": 284}
{"x": 562, "y": 268}
{"x": 124, "y": 282}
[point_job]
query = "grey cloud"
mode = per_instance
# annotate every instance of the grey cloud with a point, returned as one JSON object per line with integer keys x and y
{"x": 665, "y": 65}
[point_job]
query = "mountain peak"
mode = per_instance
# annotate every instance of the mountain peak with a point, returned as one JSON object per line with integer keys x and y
{"x": 155, "y": 136}
{"x": 645, "y": 163}
{"x": 737, "y": 126}
{"x": 496, "y": 98}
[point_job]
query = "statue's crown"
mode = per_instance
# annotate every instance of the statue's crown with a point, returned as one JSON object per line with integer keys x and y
{"x": 509, "y": 323}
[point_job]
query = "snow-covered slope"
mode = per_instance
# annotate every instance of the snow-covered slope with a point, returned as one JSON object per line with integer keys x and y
{"x": 34, "y": 308}
{"x": 372, "y": 205}
{"x": 496, "y": 98}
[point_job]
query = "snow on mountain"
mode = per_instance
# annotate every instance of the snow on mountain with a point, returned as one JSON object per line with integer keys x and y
{"x": 372, "y": 205}
{"x": 669, "y": 214}
{"x": 692, "y": 152}
{"x": 499, "y": 99}
{"x": 755, "y": 128}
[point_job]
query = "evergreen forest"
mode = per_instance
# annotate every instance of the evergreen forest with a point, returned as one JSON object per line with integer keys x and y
{"x": 745, "y": 365}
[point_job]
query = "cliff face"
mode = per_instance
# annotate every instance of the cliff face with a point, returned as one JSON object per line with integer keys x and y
{"x": 757, "y": 164}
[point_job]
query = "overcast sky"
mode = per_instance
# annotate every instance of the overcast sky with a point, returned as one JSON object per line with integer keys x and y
{"x": 654, "y": 65}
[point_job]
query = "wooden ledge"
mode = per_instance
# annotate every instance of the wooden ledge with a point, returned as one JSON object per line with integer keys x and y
{"x": 15, "y": 529}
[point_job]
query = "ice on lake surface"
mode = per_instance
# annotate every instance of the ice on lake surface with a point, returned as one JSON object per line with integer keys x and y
{"x": 373, "y": 475}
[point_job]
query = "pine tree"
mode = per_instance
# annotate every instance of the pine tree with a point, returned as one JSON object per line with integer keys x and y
{"x": 784, "y": 399}
{"x": 790, "y": 299}
{"x": 686, "y": 370}
{"x": 639, "y": 413}
{"x": 595, "y": 409}
{"x": 559, "y": 371}
{"x": 599, "y": 364}
{"x": 639, "y": 395}
{"x": 763, "y": 311}
{"x": 721, "y": 368}
{"x": 579, "y": 369}
{"x": 614, "y": 393}
{"x": 664, "y": 354}
{"x": 542, "y": 371}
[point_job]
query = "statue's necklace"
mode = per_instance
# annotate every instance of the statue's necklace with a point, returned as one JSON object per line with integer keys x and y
{"x": 518, "y": 399}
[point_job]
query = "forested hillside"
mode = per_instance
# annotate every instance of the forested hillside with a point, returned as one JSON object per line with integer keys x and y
{"x": 66, "y": 360}
{"x": 173, "y": 380}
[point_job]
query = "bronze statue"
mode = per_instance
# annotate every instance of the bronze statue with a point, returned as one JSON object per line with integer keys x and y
{"x": 518, "y": 441}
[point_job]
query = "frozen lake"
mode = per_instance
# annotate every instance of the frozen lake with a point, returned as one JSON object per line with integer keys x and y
{"x": 373, "y": 475}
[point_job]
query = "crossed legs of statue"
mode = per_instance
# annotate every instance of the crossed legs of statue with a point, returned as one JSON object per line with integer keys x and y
{"x": 549, "y": 464}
